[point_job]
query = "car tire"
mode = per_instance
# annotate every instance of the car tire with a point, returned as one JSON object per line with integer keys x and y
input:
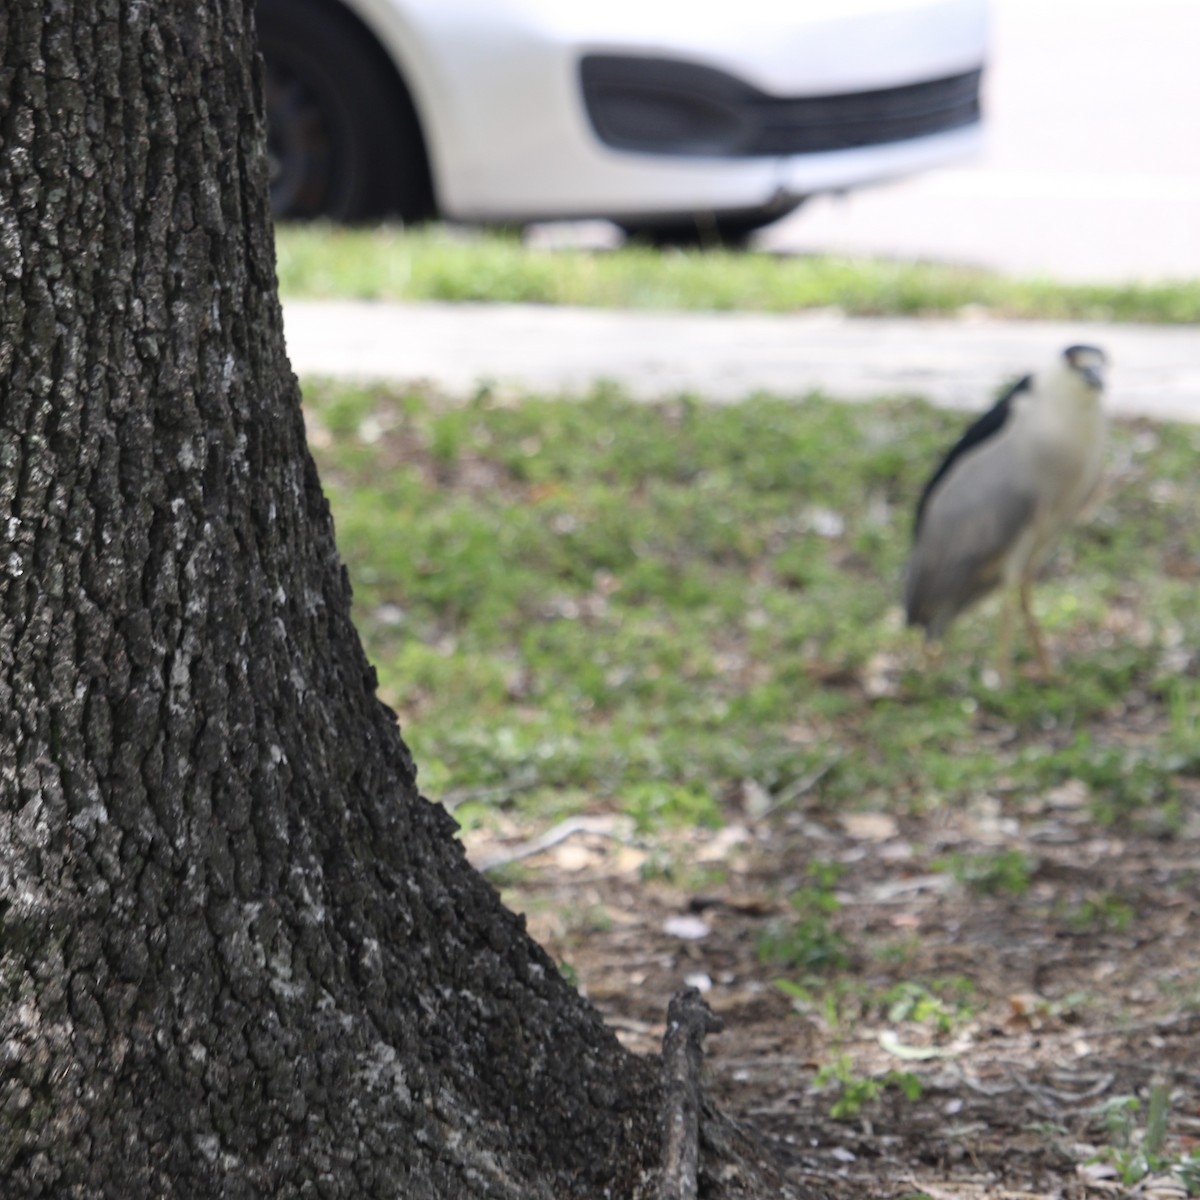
{"x": 704, "y": 229}
{"x": 343, "y": 136}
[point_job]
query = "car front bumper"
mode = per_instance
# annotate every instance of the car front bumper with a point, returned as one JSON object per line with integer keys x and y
{"x": 751, "y": 111}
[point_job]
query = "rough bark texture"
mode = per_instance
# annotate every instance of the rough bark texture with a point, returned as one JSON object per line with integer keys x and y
{"x": 239, "y": 956}
{"x": 689, "y": 1020}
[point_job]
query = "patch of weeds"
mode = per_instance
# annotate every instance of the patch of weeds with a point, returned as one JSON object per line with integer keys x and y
{"x": 346, "y": 412}
{"x": 839, "y": 1003}
{"x": 510, "y": 876}
{"x": 670, "y": 867}
{"x": 943, "y": 1005}
{"x": 940, "y": 1005}
{"x": 808, "y": 941}
{"x": 854, "y": 1092}
{"x": 654, "y": 805}
{"x": 1183, "y": 994}
{"x": 1128, "y": 784}
{"x": 596, "y": 918}
{"x": 1006, "y": 872}
{"x": 902, "y": 953}
{"x": 1183, "y": 708}
{"x": 698, "y": 879}
{"x": 1137, "y": 1150}
{"x": 1049, "y": 1129}
{"x": 1088, "y": 687}
{"x": 659, "y": 863}
{"x": 1102, "y": 911}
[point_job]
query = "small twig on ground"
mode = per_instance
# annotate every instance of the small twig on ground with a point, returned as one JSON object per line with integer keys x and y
{"x": 605, "y": 826}
{"x": 1055, "y": 1100}
{"x": 688, "y": 1020}
{"x": 798, "y": 788}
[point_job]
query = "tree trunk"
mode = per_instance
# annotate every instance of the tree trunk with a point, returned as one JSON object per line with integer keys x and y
{"x": 239, "y": 955}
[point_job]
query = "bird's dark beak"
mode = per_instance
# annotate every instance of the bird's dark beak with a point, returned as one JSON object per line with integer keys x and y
{"x": 1094, "y": 376}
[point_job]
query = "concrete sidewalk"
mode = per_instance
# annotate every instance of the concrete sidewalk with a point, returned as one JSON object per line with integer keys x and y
{"x": 725, "y": 357}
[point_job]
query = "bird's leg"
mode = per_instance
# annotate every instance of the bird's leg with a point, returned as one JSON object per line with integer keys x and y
{"x": 1031, "y": 627}
{"x": 1004, "y": 653}
{"x": 931, "y": 652}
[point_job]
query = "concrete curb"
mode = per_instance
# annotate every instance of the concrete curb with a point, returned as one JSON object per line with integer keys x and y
{"x": 727, "y": 356}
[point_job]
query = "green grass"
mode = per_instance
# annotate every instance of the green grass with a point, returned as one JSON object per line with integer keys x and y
{"x": 1138, "y": 1149}
{"x": 1008, "y": 871}
{"x": 436, "y": 264}
{"x": 654, "y": 608}
{"x": 806, "y": 941}
{"x": 854, "y": 1092}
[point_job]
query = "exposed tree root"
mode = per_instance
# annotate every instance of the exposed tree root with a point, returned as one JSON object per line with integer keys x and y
{"x": 707, "y": 1155}
{"x": 689, "y": 1019}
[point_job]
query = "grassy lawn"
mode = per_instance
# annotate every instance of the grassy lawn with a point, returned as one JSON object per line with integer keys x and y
{"x": 680, "y": 609}
{"x": 437, "y": 264}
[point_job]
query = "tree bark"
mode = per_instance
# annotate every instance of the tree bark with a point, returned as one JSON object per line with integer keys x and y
{"x": 689, "y": 1021}
{"x": 239, "y": 955}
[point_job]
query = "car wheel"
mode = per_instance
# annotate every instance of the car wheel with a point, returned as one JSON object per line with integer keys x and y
{"x": 704, "y": 229}
{"x": 342, "y": 134}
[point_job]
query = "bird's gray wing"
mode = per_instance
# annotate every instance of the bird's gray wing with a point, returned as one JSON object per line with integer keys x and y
{"x": 970, "y": 525}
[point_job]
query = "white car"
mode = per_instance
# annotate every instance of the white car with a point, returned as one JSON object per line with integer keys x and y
{"x": 662, "y": 115}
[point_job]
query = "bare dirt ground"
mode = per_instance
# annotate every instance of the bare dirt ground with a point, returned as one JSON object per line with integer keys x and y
{"x": 1078, "y": 992}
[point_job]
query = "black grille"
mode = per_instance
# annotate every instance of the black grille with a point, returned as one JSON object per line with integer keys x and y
{"x": 660, "y": 106}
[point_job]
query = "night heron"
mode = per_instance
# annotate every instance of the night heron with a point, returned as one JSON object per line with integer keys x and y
{"x": 1015, "y": 480}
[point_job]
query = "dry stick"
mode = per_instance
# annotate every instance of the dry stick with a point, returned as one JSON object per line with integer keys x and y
{"x": 605, "y": 826}
{"x": 688, "y": 1020}
{"x": 798, "y": 788}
